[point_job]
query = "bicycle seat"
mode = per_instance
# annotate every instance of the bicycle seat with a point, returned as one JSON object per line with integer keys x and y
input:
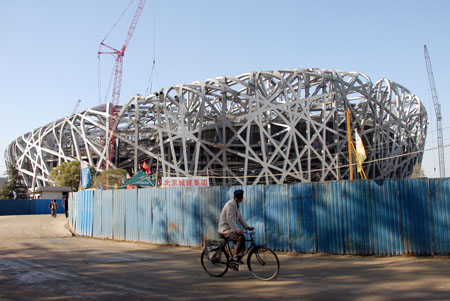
{"x": 225, "y": 238}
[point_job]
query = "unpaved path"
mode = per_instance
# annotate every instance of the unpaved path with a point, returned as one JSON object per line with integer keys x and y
{"x": 39, "y": 259}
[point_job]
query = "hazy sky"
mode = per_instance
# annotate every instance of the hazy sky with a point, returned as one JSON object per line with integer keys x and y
{"x": 48, "y": 52}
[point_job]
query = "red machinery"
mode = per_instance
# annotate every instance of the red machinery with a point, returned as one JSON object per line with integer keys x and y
{"x": 118, "y": 70}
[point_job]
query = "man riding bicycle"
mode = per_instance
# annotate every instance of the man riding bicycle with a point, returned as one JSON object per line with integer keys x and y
{"x": 228, "y": 228}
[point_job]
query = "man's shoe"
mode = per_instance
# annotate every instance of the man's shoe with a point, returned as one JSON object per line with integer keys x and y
{"x": 234, "y": 266}
{"x": 237, "y": 259}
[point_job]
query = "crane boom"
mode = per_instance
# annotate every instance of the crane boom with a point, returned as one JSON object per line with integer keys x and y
{"x": 133, "y": 24}
{"x": 75, "y": 109}
{"x": 437, "y": 109}
{"x": 118, "y": 66}
{"x": 117, "y": 84}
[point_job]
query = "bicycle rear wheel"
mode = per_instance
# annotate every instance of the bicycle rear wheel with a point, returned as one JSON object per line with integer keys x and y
{"x": 263, "y": 263}
{"x": 215, "y": 268}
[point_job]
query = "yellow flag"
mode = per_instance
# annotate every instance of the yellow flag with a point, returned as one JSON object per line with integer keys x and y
{"x": 116, "y": 186}
{"x": 360, "y": 151}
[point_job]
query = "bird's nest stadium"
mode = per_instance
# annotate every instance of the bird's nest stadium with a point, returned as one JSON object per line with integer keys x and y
{"x": 268, "y": 127}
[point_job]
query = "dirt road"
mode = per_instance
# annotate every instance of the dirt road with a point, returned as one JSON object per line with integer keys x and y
{"x": 39, "y": 259}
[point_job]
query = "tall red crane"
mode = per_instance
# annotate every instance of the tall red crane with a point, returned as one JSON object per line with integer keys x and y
{"x": 117, "y": 84}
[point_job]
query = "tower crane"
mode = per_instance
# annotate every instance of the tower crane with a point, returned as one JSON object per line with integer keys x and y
{"x": 437, "y": 109}
{"x": 117, "y": 84}
{"x": 75, "y": 109}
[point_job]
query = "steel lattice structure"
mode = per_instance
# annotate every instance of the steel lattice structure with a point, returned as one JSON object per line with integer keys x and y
{"x": 256, "y": 128}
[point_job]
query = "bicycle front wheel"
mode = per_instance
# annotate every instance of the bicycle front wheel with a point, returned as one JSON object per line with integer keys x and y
{"x": 215, "y": 268}
{"x": 263, "y": 263}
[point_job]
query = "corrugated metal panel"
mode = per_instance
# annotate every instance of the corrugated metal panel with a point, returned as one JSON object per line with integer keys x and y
{"x": 107, "y": 213}
{"x": 301, "y": 218}
{"x": 359, "y": 217}
{"x": 25, "y": 207}
{"x": 145, "y": 214}
{"x": 15, "y": 207}
{"x": 440, "y": 205}
{"x": 356, "y": 217}
{"x": 97, "y": 214}
{"x": 192, "y": 222}
{"x": 253, "y": 210}
{"x": 210, "y": 206}
{"x": 32, "y": 207}
{"x": 73, "y": 204}
{"x": 81, "y": 222}
{"x": 328, "y": 216}
{"x": 74, "y": 212}
{"x": 329, "y": 232}
{"x": 415, "y": 216}
{"x": 60, "y": 206}
{"x": 70, "y": 213}
{"x": 321, "y": 208}
{"x": 80, "y": 207}
{"x": 119, "y": 213}
{"x": 386, "y": 231}
{"x": 7, "y": 207}
{"x": 85, "y": 212}
{"x": 276, "y": 217}
{"x": 88, "y": 196}
{"x": 90, "y": 212}
{"x": 175, "y": 201}
{"x": 3, "y": 210}
{"x": 335, "y": 218}
{"x": 131, "y": 217}
{"x": 159, "y": 220}
{"x": 41, "y": 206}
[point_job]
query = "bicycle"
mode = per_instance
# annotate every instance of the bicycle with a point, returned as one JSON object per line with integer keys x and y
{"x": 262, "y": 262}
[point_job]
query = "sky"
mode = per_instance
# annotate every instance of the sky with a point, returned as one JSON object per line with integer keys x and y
{"x": 48, "y": 53}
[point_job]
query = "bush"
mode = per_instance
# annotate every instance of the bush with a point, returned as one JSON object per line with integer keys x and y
{"x": 14, "y": 183}
{"x": 109, "y": 178}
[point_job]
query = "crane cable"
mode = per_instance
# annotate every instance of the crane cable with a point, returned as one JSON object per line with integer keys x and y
{"x": 150, "y": 79}
{"x": 99, "y": 61}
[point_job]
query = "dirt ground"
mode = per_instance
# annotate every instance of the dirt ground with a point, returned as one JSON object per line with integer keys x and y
{"x": 40, "y": 259}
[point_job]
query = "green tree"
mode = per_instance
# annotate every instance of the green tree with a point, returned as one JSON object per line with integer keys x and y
{"x": 110, "y": 177}
{"x": 417, "y": 172}
{"x": 66, "y": 174}
{"x": 14, "y": 183}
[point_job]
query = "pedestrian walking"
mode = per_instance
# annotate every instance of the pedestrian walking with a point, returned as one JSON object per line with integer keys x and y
{"x": 66, "y": 205}
{"x": 53, "y": 208}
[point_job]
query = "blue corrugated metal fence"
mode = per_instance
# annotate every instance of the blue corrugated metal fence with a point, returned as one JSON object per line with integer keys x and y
{"x": 386, "y": 217}
{"x": 22, "y": 207}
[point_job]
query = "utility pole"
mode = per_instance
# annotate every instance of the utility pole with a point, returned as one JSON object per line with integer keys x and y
{"x": 349, "y": 142}
{"x": 437, "y": 109}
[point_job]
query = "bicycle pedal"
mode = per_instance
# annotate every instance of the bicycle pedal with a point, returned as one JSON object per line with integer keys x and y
{"x": 234, "y": 266}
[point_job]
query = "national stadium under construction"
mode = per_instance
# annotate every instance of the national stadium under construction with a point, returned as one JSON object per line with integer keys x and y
{"x": 268, "y": 127}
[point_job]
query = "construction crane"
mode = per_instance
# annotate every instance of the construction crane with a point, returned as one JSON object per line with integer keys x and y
{"x": 117, "y": 84}
{"x": 75, "y": 109}
{"x": 437, "y": 109}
